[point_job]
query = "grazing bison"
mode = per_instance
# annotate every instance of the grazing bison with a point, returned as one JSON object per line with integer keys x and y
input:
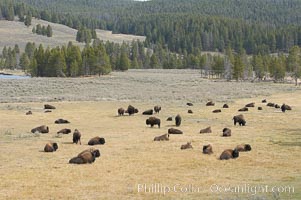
{"x": 189, "y": 104}
{"x": 120, "y": 111}
{"x": 186, "y": 146}
{"x": 96, "y": 140}
{"x": 61, "y": 121}
{"x": 28, "y": 113}
{"x": 225, "y": 106}
{"x": 226, "y": 132}
{"x": 190, "y": 111}
{"x": 169, "y": 119}
{"x": 40, "y": 129}
{"x": 178, "y": 119}
{"x": 259, "y": 108}
{"x": 50, "y": 147}
{"x": 131, "y": 110}
{"x": 206, "y": 130}
{"x": 210, "y": 103}
{"x": 250, "y": 105}
{"x": 153, "y": 121}
{"x": 47, "y": 106}
{"x": 207, "y": 149}
{"x": 164, "y": 137}
{"x": 217, "y": 111}
{"x": 87, "y": 156}
{"x": 244, "y": 109}
{"x": 271, "y": 104}
{"x": 148, "y": 112}
{"x": 240, "y": 120}
{"x": 244, "y": 147}
{"x": 174, "y": 131}
{"x": 277, "y": 106}
{"x": 64, "y": 131}
{"x": 157, "y": 109}
{"x": 76, "y": 136}
{"x": 264, "y": 101}
{"x": 228, "y": 154}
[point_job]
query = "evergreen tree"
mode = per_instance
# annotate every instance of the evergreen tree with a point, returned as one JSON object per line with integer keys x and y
{"x": 238, "y": 67}
{"x": 124, "y": 62}
{"x": 49, "y": 31}
{"x": 153, "y": 61}
{"x": 28, "y": 19}
{"x": 24, "y": 61}
{"x": 294, "y": 62}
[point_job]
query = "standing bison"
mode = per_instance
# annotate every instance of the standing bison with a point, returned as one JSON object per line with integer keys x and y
{"x": 120, "y": 111}
{"x": 178, "y": 119}
{"x": 153, "y": 121}
{"x": 76, "y": 137}
{"x": 240, "y": 120}
{"x": 157, "y": 109}
{"x": 131, "y": 110}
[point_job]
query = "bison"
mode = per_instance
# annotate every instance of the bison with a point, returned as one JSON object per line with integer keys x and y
{"x": 186, "y": 146}
{"x": 174, "y": 131}
{"x": 131, "y": 110}
{"x": 50, "y": 147}
{"x": 228, "y": 154}
{"x": 157, "y": 109}
{"x": 96, "y": 140}
{"x": 271, "y": 104}
{"x": 285, "y": 107}
{"x": 47, "y": 106}
{"x": 153, "y": 121}
{"x": 259, "y": 108}
{"x": 240, "y": 120}
{"x": 225, "y": 106}
{"x": 277, "y": 106}
{"x": 189, "y": 104}
{"x": 250, "y": 105}
{"x": 244, "y": 109}
{"x": 28, "y": 113}
{"x": 190, "y": 111}
{"x": 64, "y": 131}
{"x": 164, "y": 137}
{"x": 217, "y": 111}
{"x": 244, "y": 147}
{"x": 206, "y": 130}
{"x": 264, "y": 101}
{"x": 120, "y": 111}
{"x": 61, "y": 121}
{"x": 148, "y": 112}
{"x": 169, "y": 119}
{"x": 226, "y": 132}
{"x": 210, "y": 103}
{"x": 40, "y": 129}
{"x": 76, "y": 136}
{"x": 207, "y": 149}
{"x": 178, "y": 119}
{"x": 87, "y": 156}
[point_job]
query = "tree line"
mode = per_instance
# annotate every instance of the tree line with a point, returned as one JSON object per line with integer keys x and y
{"x": 42, "y": 30}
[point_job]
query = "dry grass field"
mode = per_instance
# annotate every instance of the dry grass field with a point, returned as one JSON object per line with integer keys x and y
{"x": 130, "y": 157}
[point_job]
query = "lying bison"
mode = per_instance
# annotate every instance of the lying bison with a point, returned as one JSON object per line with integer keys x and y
{"x": 40, "y": 129}
{"x": 148, "y": 112}
{"x": 189, "y": 104}
{"x": 244, "y": 147}
{"x": 51, "y": 147}
{"x": 47, "y": 106}
{"x": 87, "y": 156}
{"x": 157, "y": 109}
{"x": 210, "y": 103}
{"x": 217, "y": 111}
{"x": 174, "y": 131}
{"x": 206, "y": 130}
{"x": 76, "y": 137}
{"x": 240, "y": 120}
{"x": 244, "y": 109}
{"x": 225, "y": 106}
{"x": 285, "y": 107}
{"x": 186, "y": 146}
{"x": 153, "y": 121}
{"x": 96, "y": 140}
{"x": 120, "y": 111}
{"x": 164, "y": 137}
{"x": 226, "y": 132}
{"x": 207, "y": 149}
{"x": 264, "y": 101}
{"x": 271, "y": 104}
{"x": 190, "y": 111}
{"x": 249, "y": 105}
{"x": 178, "y": 119}
{"x": 228, "y": 154}
{"x": 61, "y": 121}
{"x": 64, "y": 131}
{"x": 259, "y": 108}
{"x": 169, "y": 119}
{"x": 277, "y": 106}
{"x": 28, "y": 113}
{"x": 131, "y": 110}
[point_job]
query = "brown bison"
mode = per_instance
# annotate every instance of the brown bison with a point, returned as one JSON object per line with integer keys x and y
{"x": 244, "y": 147}
{"x": 228, "y": 154}
{"x": 225, "y": 106}
{"x": 64, "y": 131}
{"x": 178, "y": 119}
{"x": 249, "y": 105}
{"x": 186, "y": 146}
{"x": 164, "y": 137}
{"x": 210, "y": 103}
{"x": 131, "y": 110}
{"x": 226, "y": 132}
{"x": 153, "y": 121}
{"x": 47, "y": 106}
{"x": 174, "y": 131}
{"x": 169, "y": 119}
{"x": 28, "y": 113}
{"x": 47, "y": 111}
{"x": 217, "y": 111}
{"x": 189, "y": 104}
{"x": 96, "y": 140}
{"x": 206, "y": 130}
{"x": 61, "y": 121}
{"x": 244, "y": 109}
{"x": 87, "y": 156}
{"x": 285, "y": 107}
{"x": 240, "y": 120}
{"x": 76, "y": 137}
{"x": 50, "y": 147}
{"x": 40, "y": 129}
{"x": 190, "y": 111}
{"x": 157, "y": 109}
{"x": 259, "y": 108}
{"x": 148, "y": 112}
{"x": 207, "y": 149}
{"x": 277, "y": 106}
{"x": 264, "y": 101}
{"x": 120, "y": 111}
{"x": 271, "y": 104}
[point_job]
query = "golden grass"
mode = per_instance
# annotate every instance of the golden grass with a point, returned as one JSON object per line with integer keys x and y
{"x": 131, "y": 157}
